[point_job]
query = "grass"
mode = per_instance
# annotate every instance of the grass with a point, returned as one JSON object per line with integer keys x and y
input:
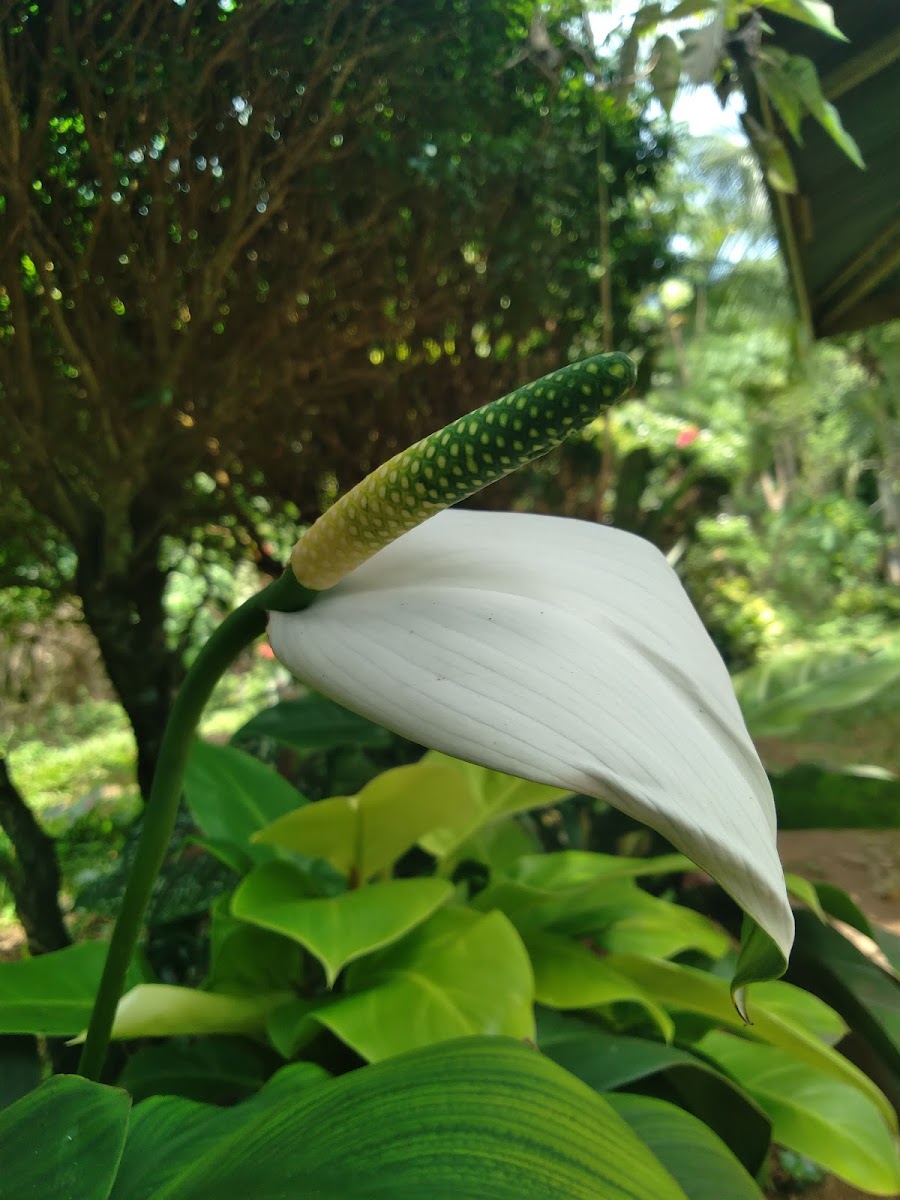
{"x": 76, "y": 768}
{"x": 79, "y": 749}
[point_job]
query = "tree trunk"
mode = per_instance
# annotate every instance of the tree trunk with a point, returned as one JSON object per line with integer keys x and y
{"x": 33, "y": 871}
{"x": 126, "y": 615}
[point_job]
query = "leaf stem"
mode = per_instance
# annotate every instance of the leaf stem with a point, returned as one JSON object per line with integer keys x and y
{"x": 236, "y": 632}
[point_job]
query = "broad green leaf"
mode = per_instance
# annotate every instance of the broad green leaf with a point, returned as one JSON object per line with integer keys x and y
{"x": 489, "y": 797}
{"x": 366, "y": 833}
{"x": 470, "y": 1120}
{"x": 164, "y": 1010}
{"x": 805, "y": 78}
{"x": 229, "y": 854}
{"x": 460, "y": 973}
{"x": 247, "y": 960}
{"x": 659, "y": 929}
{"x": 779, "y": 695}
{"x": 216, "y": 1070}
{"x": 574, "y": 891}
{"x": 337, "y": 929}
{"x": 608, "y": 1061}
{"x": 498, "y": 846}
{"x": 570, "y": 868}
{"x": 292, "y": 1026}
{"x": 688, "y": 1149}
{"x": 802, "y": 889}
{"x": 839, "y": 905}
{"x": 866, "y": 996}
{"x": 53, "y": 994}
{"x": 569, "y": 975}
{"x": 829, "y": 1121}
{"x": 313, "y": 723}
{"x": 63, "y": 1140}
{"x": 683, "y": 988}
{"x": 770, "y": 80}
{"x": 810, "y": 12}
{"x": 665, "y": 73}
{"x": 231, "y": 795}
{"x": 810, "y": 797}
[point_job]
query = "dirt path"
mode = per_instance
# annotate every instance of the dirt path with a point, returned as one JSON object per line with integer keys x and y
{"x": 864, "y": 862}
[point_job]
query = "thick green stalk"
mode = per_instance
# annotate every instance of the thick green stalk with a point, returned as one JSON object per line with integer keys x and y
{"x": 235, "y": 633}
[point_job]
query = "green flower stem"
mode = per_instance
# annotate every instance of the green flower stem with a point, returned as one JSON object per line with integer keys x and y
{"x": 236, "y": 632}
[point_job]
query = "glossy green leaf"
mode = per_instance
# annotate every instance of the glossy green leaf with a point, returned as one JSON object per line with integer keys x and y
{"x": 216, "y": 1070}
{"x": 783, "y": 95}
{"x": 781, "y": 1015}
{"x": 164, "y": 1010}
{"x": 609, "y": 1061}
{"x": 366, "y": 833}
{"x": 659, "y": 929}
{"x": 569, "y": 975}
{"x": 54, "y": 993}
{"x": 839, "y": 905}
{"x": 292, "y": 1026}
{"x": 867, "y": 997}
{"x": 460, "y": 973}
{"x": 801, "y": 889}
{"x": 231, "y": 795}
{"x": 479, "y": 1119}
{"x": 337, "y": 929}
{"x": 489, "y": 797}
{"x": 313, "y": 723}
{"x": 63, "y": 1140}
{"x": 688, "y": 1149}
{"x": 573, "y": 891}
{"x": 498, "y": 846}
{"x": 829, "y": 1121}
{"x": 246, "y": 960}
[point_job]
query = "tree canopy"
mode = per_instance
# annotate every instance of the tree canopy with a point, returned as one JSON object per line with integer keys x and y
{"x": 238, "y": 238}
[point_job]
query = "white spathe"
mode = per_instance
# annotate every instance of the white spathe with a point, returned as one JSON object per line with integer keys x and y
{"x": 559, "y": 651}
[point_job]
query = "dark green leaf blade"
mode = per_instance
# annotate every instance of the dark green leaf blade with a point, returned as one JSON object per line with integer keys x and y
{"x": 63, "y": 1140}
{"x": 313, "y": 723}
{"x": 232, "y": 795}
{"x": 473, "y": 1119}
{"x": 610, "y": 1061}
{"x": 53, "y": 994}
{"x": 682, "y": 1144}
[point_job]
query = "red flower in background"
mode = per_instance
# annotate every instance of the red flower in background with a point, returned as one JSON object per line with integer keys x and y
{"x": 689, "y": 434}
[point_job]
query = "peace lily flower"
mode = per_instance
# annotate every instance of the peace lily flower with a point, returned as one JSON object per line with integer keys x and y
{"x": 549, "y": 648}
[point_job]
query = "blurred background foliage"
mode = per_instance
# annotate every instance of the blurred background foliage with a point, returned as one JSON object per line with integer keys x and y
{"x": 249, "y": 252}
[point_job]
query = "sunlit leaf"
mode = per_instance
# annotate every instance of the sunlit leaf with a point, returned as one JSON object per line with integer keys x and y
{"x": 465, "y": 1121}
{"x": 337, "y": 929}
{"x": 363, "y": 834}
{"x": 823, "y": 1118}
{"x": 460, "y": 973}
